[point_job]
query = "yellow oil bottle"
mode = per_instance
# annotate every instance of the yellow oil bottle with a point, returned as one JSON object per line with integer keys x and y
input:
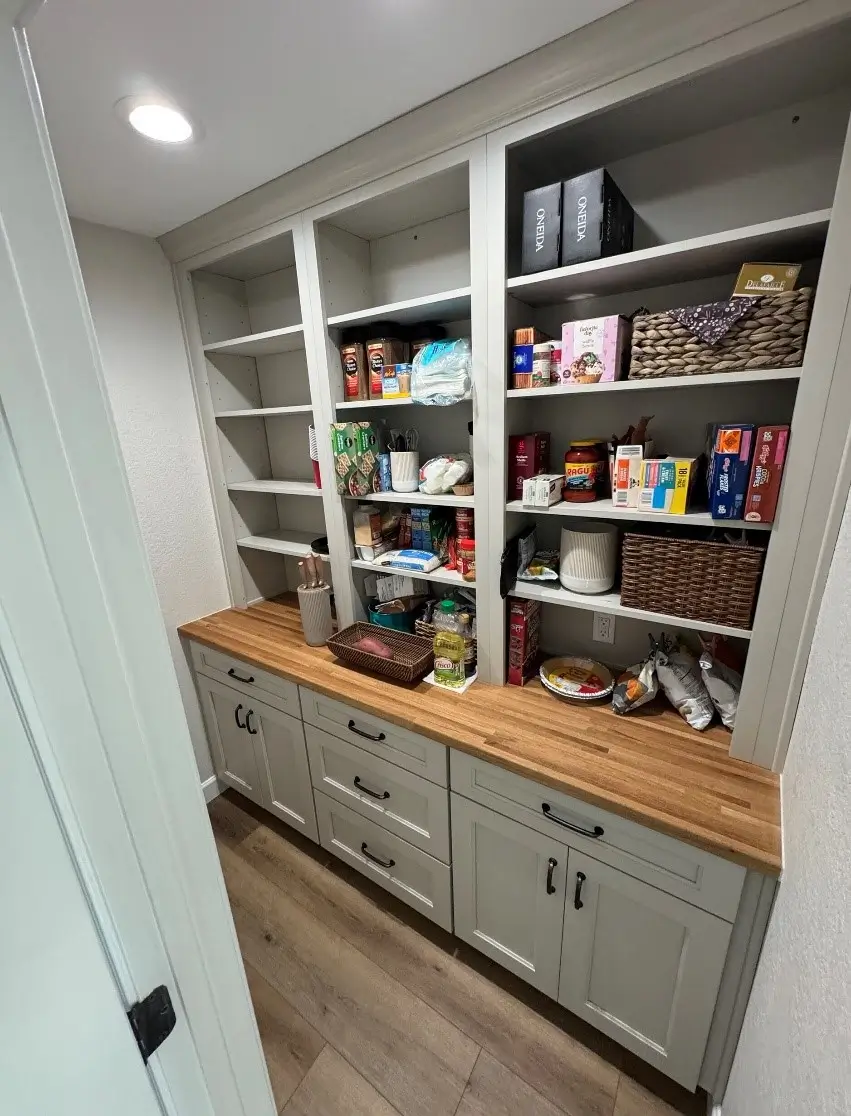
{"x": 449, "y": 647}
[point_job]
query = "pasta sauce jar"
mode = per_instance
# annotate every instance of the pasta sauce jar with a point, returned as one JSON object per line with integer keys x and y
{"x": 583, "y": 471}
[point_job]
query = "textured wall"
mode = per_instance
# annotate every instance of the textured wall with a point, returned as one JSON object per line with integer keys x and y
{"x": 129, "y": 286}
{"x": 794, "y": 1056}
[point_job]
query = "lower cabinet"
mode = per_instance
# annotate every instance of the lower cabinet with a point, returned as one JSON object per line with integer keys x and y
{"x": 232, "y": 748}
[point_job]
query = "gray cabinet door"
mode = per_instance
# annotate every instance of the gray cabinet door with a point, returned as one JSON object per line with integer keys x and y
{"x": 231, "y": 745}
{"x": 641, "y": 965}
{"x": 282, "y": 759}
{"x": 509, "y": 892}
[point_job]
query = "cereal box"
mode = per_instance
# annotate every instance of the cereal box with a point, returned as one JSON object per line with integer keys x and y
{"x": 355, "y": 449}
{"x": 524, "y": 621}
{"x": 769, "y": 457}
{"x": 592, "y": 351}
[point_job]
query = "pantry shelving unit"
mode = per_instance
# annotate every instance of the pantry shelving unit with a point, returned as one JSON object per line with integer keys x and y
{"x": 714, "y": 181}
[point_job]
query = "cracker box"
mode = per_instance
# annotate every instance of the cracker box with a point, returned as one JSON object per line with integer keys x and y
{"x": 666, "y": 484}
{"x": 626, "y": 476}
{"x": 729, "y": 453}
{"x": 355, "y": 449}
{"x": 524, "y": 622}
{"x": 769, "y": 458}
{"x": 592, "y": 351}
{"x": 528, "y": 455}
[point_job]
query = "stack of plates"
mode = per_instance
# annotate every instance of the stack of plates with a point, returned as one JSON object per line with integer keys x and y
{"x": 570, "y": 676}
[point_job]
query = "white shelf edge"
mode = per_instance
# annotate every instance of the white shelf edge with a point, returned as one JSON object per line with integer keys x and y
{"x": 266, "y": 412}
{"x": 348, "y": 405}
{"x": 418, "y": 498}
{"x": 441, "y": 575}
{"x": 610, "y": 603}
{"x": 263, "y": 342}
{"x": 293, "y": 543}
{"x": 276, "y": 487}
{"x": 602, "y": 509}
{"x": 405, "y": 306}
{"x": 712, "y": 379}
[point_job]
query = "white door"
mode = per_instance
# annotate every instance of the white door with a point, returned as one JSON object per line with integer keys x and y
{"x": 65, "y": 1043}
{"x": 509, "y": 892}
{"x": 231, "y": 744}
{"x": 282, "y": 757}
{"x": 641, "y": 966}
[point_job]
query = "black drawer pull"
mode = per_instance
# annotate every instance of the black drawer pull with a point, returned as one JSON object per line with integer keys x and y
{"x": 371, "y": 793}
{"x": 551, "y": 866}
{"x": 353, "y": 728}
{"x": 248, "y": 717}
{"x": 376, "y": 859}
{"x": 239, "y": 724}
{"x": 577, "y": 895}
{"x": 247, "y": 681}
{"x": 547, "y": 810}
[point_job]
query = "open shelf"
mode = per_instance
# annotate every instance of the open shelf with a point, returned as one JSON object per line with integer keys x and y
{"x": 441, "y": 575}
{"x": 277, "y": 487}
{"x": 418, "y": 498}
{"x": 353, "y": 404}
{"x": 261, "y": 344}
{"x": 602, "y": 509}
{"x": 446, "y": 306}
{"x": 715, "y": 379}
{"x": 794, "y": 238}
{"x": 611, "y": 603}
{"x": 266, "y": 412}
{"x": 282, "y": 541}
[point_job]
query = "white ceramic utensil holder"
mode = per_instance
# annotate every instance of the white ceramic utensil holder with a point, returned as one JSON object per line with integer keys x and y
{"x": 316, "y": 622}
{"x": 405, "y": 470}
{"x": 589, "y": 557}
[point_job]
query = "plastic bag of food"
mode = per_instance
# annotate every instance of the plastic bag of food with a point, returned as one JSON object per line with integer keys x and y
{"x": 679, "y": 677}
{"x": 442, "y": 372}
{"x": 636, "y": 686}
{"x": 439, "y": 474}
{"x": 534, "y": 564}
{"x": 722, "y": 676}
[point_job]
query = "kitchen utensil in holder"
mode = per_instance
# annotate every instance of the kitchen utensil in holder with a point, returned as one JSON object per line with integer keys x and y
{"x": 405, "y": 470}
{"x": 315, "y": 607}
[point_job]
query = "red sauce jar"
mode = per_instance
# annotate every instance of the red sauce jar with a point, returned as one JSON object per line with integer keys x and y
{"x": 583, "y": 471}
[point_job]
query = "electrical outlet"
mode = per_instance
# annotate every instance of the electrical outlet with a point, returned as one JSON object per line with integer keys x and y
{"x": 604, "y": 628}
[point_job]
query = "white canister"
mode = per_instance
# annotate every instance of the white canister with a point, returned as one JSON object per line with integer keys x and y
{"x": 405, "y": 471}
{"x": 589, "y": 557}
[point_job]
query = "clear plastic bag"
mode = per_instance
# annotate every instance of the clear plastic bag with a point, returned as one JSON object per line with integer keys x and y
{"x": 442, "y": 372}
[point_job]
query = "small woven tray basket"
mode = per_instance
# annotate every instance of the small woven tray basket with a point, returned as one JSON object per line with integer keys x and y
{"x": 413, "y": 656}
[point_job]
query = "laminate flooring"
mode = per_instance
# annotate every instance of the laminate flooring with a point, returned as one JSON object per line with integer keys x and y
{"x": 366, "y": 1009}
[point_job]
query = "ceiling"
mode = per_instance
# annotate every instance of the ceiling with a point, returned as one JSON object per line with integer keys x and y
{"x": 273, "y": 84}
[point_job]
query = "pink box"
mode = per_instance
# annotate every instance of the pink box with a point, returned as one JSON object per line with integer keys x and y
{"x": 592, "y": 351}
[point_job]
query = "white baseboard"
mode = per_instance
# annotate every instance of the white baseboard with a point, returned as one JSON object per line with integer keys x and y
{"x": 713, "y": 1109}
{"x": 212, "y": 788}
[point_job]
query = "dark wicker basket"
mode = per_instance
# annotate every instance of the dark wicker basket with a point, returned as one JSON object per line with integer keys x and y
{"x": 413, "y": 656}
{"x": 709, "y": 581}
{"x": 773, "y": 336}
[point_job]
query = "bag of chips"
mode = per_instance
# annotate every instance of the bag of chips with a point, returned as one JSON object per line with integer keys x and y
{"x": 722, "y": 676}
{"x": 636, "y": 686}
{"x": 534, "y": 564}
{"x": 679, "y": 677}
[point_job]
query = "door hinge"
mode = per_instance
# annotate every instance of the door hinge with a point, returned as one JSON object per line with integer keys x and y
{"x": 152, "y": 1020}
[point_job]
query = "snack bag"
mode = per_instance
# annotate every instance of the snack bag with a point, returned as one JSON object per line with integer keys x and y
{"x": 722, "y": 676}
{"x": 534, "y": 564}
{"x": 679, "y": 677}
{"x": 636, "y": 686}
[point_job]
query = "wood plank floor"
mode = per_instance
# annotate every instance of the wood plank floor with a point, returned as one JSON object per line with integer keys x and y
{"x": 366, "y": 1009}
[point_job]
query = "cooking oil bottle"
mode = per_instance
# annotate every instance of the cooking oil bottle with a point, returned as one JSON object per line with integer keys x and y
{"x": 449, "y": 647}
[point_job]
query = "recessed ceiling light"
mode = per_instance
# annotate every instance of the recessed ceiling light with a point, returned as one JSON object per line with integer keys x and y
{"x": 156, "y": 119}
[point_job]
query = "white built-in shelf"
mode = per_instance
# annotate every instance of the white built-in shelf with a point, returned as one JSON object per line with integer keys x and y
{"x": 712, "y": 379}
{"x": 418, "y": 498}
{"x": 791, "y": 239}
{"x": 261, "y": 344}
{"x": 602, "y": 509}
{"x": 352, "y": 404}
{"x": 277, "y": 487}
{"x": 447, "y": 306}
{"x": 611, "y": 603}
{"x": 283, "y": 541}
{"x": 441, "y": 575}
{"x": 265, "y": 412}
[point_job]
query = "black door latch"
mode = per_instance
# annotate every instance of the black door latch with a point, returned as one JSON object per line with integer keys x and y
{"x": 152, "y": 1020}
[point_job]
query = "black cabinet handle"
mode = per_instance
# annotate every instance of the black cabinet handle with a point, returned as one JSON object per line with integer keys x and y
{"x": 248, "y": 717}
{"x": 371, "y": 793}
{"x": 239, "y": 724}
{"x": 577, "y": 895}
{"x": 547, "y": 811}
{"x": 353, "y": 728}
{"x": 551, "y": 866}
{"x": 247, "y": 681}
{"x": 376, "y": 859}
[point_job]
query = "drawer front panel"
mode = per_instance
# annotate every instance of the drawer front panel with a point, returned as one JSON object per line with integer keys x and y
{"x": 405, "y": 804}
{"x": 247, "y": 679}
{"x": 406, "y": 749}
{"x": 679, "y": 869}
{"x": 406, "y": 872}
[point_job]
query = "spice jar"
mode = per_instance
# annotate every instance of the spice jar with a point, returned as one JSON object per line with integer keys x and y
{"x": 583, "y": 471}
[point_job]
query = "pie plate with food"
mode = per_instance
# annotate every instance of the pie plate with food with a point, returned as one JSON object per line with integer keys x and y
{"x": 572, "y": 676}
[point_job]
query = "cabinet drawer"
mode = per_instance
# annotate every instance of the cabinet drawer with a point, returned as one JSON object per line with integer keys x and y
{"x": 405, "y": 804}
{"x": 247, "y": 679}
{"x": 406, "y": 749}
{"x": 679, "y": 869}
{"x": 408, "y": 873}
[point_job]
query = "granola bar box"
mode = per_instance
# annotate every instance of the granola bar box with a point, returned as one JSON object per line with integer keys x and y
{"x": 355, "y": 449}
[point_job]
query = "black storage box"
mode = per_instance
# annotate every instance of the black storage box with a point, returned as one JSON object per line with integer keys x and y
{"x": 596, "y": 219}
{"x": 541, "y": 228}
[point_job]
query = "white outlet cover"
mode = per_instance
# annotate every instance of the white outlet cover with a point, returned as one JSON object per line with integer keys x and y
{"x": 604, "y": 627}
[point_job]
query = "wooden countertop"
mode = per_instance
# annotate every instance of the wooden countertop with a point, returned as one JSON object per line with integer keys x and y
{"x": 648, "y": 766}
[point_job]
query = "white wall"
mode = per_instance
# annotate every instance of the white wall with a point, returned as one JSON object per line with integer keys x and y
{"x": 129, "y": 286}
{"x": 794, "y": 1056}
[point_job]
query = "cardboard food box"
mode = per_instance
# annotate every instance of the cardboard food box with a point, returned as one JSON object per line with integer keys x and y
{"x": 593, "y": 350}
{"x": 355, "y": 449}
{"x": 543, "y": 491}
{"x": 523, "y": 354}
{"x": 729, "y": 454}
{"x": 666, "y": 484}
{"x": 524, "y": 622}
{"x": 765, "y": 278}
{"x": 596, "y": 219}
{"x": 626, "y": 480}
{"x": 769, "y": 459}
{"x": 541, "y": 228}
{"x": 528, "y": 455}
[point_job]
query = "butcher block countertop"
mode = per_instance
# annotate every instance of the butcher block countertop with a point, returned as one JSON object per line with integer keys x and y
{"x": 648, "y": 766}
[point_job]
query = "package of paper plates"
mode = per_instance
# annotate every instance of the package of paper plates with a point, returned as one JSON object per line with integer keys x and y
{"x": 571, "y": 676}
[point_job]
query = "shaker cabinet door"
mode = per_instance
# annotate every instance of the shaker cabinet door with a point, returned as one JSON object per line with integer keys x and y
{"x": 509, "y": 892}
{"x": 284, "y": 770}
{"x": 231, "y": 745}
{"x": 641, "y": 965}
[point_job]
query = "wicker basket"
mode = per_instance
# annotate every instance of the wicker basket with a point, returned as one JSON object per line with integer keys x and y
{"x": 423, "y": 628}
{"x": 709, "y": 581}
{"x": 413, "y": 656}
{"x": 773, "y": 336}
